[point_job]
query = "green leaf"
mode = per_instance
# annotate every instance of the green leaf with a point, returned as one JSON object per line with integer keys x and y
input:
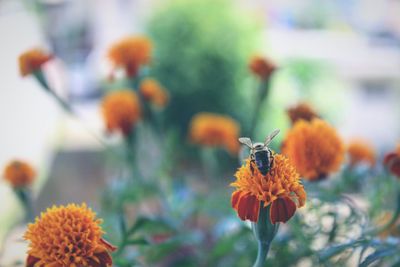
{"x": 379, "y": 254}
{"x": 332, "y": 251}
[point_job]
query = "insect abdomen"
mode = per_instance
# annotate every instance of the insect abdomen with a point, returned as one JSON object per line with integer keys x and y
{"x": 262, "y": 160}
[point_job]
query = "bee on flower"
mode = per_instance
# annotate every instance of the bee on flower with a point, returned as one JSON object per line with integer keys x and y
{"x": 131, "y": 53}
{"x": 314, "y": 148}
{"x": 153, "y": 92}
{"x": 121, "y": 111}
{"x": 392, "y": 161}
{"x": 301, "y": 111}
{"x": 32, "y": 61}
{"x": 215, "y": 130}
{"x": 19, "y": 174}
{"x": 280, "y": 189}
{"x": 360, "y": 152}
{"x": 67, "y": 236}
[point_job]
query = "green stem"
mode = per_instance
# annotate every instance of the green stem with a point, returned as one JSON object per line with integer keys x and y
{"x": 263, "y": 248}
{"x": 24, "y": 197}
{"x": 263, "y": 92}
{"x": 210, "y": 162}
{"x": 264, "y": 231}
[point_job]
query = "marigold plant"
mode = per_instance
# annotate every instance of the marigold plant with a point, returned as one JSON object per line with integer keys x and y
{"x": 19, "y": 174}
{"x": 280, "y": 188}
{"x": 315, "y": 149}
{"x": 131, "y": 53}
{"x": 152, "y": 91}
{"x": 32, "y": 60}
{"x": 261, "y": 67}
{"x": 67, "y": 236}
{"x": 301, "y": 111}
{"x": 212, "y": 130}
{"x": 121, "y": 110}
{"x": 360, "y": 152}
{"x": 392, "y": 161}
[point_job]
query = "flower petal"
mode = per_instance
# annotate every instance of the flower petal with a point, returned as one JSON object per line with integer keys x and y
{"x": 108, "y": 245}
{"x": 394, "y": 166}
{"x": 282, "y": 210}
{"x": 31, "y": 261}
{"x": 248, "y": 207}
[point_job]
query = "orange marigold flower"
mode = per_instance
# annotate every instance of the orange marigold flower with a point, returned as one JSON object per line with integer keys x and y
{"x": 315, "y": 148}
{"x": 280, "y": 187}
{"x": 67, "y": 236}
{"x": 261, "y": 67}
{"x": 19, "y": 174}
{"x": 152, "y": 91}
{"x": 392, "y": 161}
{"x": 121, "y": 110}
{"x": 360, "y": 151}
{"x": 131, "y": 53}
{"x": 210, "y": 129}
{"x": 32, "y": 60}
{"x": 301, "y": 111}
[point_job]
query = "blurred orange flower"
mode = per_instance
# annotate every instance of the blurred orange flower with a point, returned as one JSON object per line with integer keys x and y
{"x": 392, "y": 161}
{"x": 301, "y": 111}
{"x": 360, "y": 151}
{"x": 315, "y": 149}
{"x": 210, "y": 129}
{"x": 261, "y": 67}
{"x": 32, "y": 60}
{"x": 121, "y": 110}
{"x": 19, "y": 174}
{"x": 280, "y": 187}
{"x": 67, "y": 236}
{"x": 152, "y": 91}
{"x": 131, "y": 53}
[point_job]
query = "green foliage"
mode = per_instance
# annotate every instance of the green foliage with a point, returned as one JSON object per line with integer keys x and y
{"x": 201, "y": 53}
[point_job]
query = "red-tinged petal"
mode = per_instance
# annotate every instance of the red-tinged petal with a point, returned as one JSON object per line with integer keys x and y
{"x": 31, "y": 261}
{"x": 235, "y": 198}
{"x": 282, "y": 209}
{"x": 248, "y": 207}
{"x": 105, "y": 259}
{"x": 394, "y": 167}
{"x": 254, "y": 210}
{"x": 389, "y": 157}
{"x": 108, "y": 245}
{"x": 242, "y": 207}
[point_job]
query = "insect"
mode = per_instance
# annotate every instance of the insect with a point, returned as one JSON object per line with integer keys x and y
{"x": 260, "y": 153}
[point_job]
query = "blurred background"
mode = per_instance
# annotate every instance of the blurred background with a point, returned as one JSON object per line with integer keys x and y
{"x": 341, "y": 56}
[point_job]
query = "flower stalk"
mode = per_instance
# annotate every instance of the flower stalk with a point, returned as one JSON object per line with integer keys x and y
{"x": 262, "y": 94}
{"x": 264, "y": 231}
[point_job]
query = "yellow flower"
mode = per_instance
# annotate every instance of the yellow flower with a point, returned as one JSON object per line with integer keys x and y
{"x": 32, "y": 60}
{"x": 19, "y": 174}
{"x": 121, "y": 110}
{"x": 152, "y": 91}
{"x": 131, "y": 53}
{"x": 280, "y": 187}
{"x": 261, "y": 67}
{"x": 314, "y": 148}
{"x": 210, "y": 129}
{"x": 67, "y": 236}
{"x": 301, "y": 111}
{"x": 360, "y": 151}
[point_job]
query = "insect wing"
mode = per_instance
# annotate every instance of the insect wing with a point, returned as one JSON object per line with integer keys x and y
{"x": 246, "y": 141}
{"x": 271, "y": 136}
